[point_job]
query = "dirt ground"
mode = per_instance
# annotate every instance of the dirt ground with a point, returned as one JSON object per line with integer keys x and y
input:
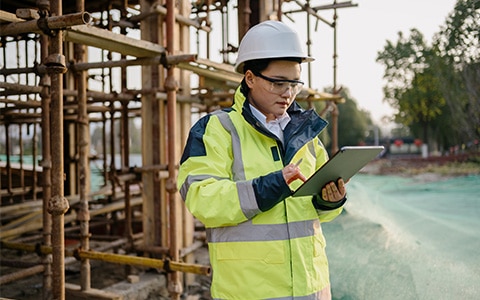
{"x": 103, "y": 275}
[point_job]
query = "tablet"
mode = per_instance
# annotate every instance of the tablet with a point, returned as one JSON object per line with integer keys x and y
{"x": 345, "y": 163}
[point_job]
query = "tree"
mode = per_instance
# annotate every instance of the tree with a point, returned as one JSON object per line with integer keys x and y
{"x": 458, "y": 44}
{"x": 421, "y": 104}
{"x": 411, "y": 83}
{"x": 436, "y": 89}
{"x": 353, "y": 123}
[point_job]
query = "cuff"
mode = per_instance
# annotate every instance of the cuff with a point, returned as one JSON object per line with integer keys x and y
{"x": 321, "y": 204}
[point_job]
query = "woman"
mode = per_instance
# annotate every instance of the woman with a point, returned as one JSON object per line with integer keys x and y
{"x": 239, "y": 168}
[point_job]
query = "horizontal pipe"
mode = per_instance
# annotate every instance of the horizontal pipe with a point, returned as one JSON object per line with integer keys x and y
{"x": 52, "y": 23}
{"x": 75, "y": 67}
{"x": 144, "y": 262}
{"x": 21, "y": 274}
{"x": 115, "y": 258}
{"x": 168, "y": 60}
{"x": 129, "y": 95}
{"x": 161, "y": 10}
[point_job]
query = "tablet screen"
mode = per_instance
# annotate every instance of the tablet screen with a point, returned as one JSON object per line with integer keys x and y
{"x": 345, "y": 163}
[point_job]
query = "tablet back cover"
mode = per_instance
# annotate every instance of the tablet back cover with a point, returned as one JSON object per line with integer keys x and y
{"x": 345, "y": 163}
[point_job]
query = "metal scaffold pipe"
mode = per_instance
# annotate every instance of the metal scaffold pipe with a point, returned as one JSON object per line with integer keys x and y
{"x": 43, "y": 24}
{"x": 168, "y": 265}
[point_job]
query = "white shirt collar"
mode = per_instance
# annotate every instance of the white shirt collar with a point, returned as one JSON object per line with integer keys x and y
{"x": 275, "y": 126}
{"x": 282, "y": 121}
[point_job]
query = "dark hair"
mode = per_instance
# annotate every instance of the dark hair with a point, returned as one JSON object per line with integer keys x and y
{"x": 257, "y": 66}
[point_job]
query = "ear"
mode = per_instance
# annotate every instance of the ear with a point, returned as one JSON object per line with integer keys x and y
{"x": 249, "y": 78}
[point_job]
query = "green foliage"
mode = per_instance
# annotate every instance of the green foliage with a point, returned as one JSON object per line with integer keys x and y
{"x": 353, "y": 123}
{"x": 436, "y": 89}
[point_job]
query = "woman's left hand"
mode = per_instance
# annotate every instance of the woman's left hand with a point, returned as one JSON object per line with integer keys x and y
{"x": 332, "y": 192}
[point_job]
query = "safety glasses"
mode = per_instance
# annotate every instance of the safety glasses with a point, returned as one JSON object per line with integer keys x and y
{"x": 280, "y": 86}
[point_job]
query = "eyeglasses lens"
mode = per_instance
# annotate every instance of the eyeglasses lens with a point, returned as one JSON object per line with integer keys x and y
{"x": 281, "y": 87}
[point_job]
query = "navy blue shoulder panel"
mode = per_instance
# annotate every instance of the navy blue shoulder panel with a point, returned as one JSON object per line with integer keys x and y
{"x": 195, "y": 145}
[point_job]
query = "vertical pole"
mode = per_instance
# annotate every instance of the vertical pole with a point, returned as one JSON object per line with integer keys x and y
{"x": 9, "y": 166}
{"x": 46, "y": 173}
{"x": 335, "y": 112}
{"x": 83, "y": 214}
{"x": 126, "y": 163}
{"x": 171, "y": 87}
{"x": 57, "y": 205}
{"x": 309, "y": 43}
{"x": 22, "y": 171}
{"x": 104, "y": 148}
{"x": 112, "y": 148}
{"x": 34, "y": 161}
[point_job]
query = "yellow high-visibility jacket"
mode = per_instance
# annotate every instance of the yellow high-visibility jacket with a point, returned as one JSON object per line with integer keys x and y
{"x": 262, "y": 242}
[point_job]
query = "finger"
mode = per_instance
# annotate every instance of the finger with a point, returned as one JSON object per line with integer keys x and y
{"x": 302, "y": 177}
{"x": 324, "y": 194}
{"x": 330, "y": 193}
{"x": 341, "y": 186}
{"x": 336, "y": 193}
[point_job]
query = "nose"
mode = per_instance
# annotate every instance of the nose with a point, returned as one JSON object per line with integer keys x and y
{"x": 288, "y": 93}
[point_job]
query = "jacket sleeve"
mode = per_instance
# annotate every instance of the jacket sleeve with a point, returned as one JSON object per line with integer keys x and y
{"x": 326, "y": 210}
{"x": 206, "y": 184}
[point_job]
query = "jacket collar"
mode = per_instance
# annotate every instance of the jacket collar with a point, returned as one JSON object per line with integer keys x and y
{"x": 303, "y": 126}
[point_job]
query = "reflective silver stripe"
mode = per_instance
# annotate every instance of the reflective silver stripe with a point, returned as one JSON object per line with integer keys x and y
{"x": 248, "y": 203}
{"x": 248, "y": 232}
{"x": 311, "y": 148}
{"x": 316, "y": 296}
{"x": 237, "y": 168}
{"x": 245, "y": 191}
{"x": 194, "y": 178}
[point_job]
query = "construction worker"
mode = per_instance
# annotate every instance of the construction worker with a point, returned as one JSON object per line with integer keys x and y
{"x": 239, "y": 168}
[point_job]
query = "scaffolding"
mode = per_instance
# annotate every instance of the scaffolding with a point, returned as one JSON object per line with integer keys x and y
{"x": 113, "y": 72}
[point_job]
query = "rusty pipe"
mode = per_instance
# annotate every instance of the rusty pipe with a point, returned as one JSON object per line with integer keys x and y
{"x": 46, "y": 170}
{"x": 57, "y": 204}
{"x": 83, "y": 66}
{"x": 175, "y": 287}
{"x": 52, "y": 23}
{"x": 168, "y": 265}
{"x": 21, "y": 274}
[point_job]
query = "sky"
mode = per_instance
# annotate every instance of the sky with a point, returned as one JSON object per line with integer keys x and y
{"x": 362, "y": 32}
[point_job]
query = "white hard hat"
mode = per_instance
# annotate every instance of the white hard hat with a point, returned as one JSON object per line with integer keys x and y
{"x": 269, "y": 39}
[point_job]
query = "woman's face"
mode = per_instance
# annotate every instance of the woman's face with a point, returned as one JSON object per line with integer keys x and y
{"x": 267, "y": 98}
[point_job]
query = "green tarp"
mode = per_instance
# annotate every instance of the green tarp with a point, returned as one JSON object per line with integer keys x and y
{"x": 407, "y": 238}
